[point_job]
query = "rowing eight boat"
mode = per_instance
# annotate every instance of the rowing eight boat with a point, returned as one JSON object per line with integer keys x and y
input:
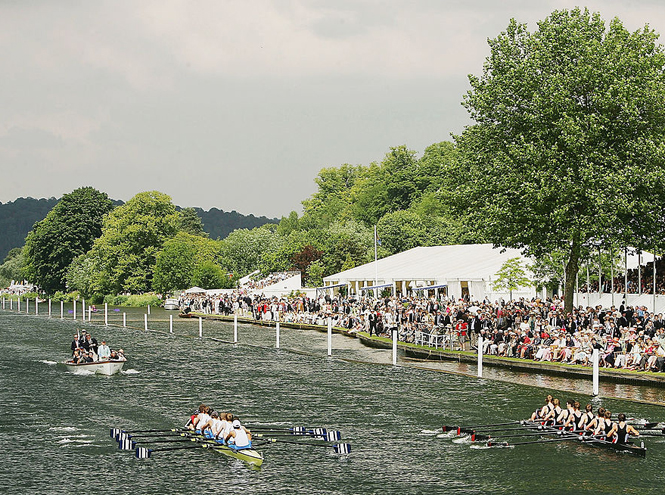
{"x": 248, "y": 455}
{"x": 590, "y": 440}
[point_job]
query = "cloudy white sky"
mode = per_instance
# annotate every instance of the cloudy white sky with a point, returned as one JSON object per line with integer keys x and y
{"x": 237, "y": 104}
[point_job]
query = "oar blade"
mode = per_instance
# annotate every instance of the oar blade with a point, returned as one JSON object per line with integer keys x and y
{"x": 127, "y": 444}
{"x": 143, "y": 453}
{"x": 342, "y": 448}
{"x": 333, "y": 436}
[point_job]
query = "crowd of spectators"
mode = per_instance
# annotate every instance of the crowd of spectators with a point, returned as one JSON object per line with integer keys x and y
{"x": 269, "y": 280}
{"x": 635, "y": 282}
{"x": 626, "y": 337}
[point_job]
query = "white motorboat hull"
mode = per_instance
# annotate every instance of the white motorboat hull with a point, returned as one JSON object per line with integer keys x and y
{"x": 99, "y": 367}
{"x": 171, "y": 304}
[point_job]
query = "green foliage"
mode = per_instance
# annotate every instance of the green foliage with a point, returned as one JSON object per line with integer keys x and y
{"x": 209, "y": 275}
{"x": 315, "y": 273}
{"x": 406, "y": 229}
{"x": 12, "y": 267}
{"x": 17, "y": 219}
{"x": 190, "y": 223}
{"x": 511, "y": 276}
{"x": 133, "y": 301}
{"x": 179, "y": 259}
{"x": 125, "y": 255}
{"x": 568, "y": 141}
{"x": 61, "y": 296}
{"x": 347, "y": 242}
{"x": 243, "y": 250}
{"x": 80, "y": 275}
{"x": 219, "y": 224}
{"x": 330, "y": 203}
{"x": 68, "y": 231}
{"x": 288, "y": 224}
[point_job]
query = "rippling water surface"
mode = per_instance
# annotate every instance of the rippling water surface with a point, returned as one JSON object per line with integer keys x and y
{"x": 54, "y": 424}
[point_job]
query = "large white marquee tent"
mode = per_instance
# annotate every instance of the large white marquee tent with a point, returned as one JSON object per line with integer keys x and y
{"x": 455, "y": 271}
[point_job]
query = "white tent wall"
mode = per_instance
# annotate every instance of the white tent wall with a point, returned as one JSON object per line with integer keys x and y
{"x": 462, "y": 268}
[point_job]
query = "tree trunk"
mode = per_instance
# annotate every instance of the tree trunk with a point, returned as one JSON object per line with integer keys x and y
{"x": 572, "y": 267}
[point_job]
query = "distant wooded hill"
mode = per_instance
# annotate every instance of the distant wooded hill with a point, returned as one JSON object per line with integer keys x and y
{"x": 18, "y": 217}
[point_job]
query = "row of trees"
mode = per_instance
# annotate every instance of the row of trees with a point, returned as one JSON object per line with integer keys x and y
{"x": 567, "y": 153}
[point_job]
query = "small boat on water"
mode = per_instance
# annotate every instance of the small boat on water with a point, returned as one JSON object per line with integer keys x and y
{"x": 171, "y": 304}
{"x": 99, "y": 367}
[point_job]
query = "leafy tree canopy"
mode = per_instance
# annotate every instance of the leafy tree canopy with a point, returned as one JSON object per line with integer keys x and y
{"x": 191, "y": 223}
{"x": 125, "y": 254}
{"x": 68, "y": 231}
{"x": 567, "y": 145}
{"x": 12, "y": 267}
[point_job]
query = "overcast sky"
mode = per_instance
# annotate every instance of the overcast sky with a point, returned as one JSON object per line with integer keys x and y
{"x": 237, "y": 104}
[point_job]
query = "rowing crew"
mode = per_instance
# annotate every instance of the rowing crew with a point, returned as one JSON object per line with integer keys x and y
{"x": 223, "y": 427}
{"x": 572, "y": 419}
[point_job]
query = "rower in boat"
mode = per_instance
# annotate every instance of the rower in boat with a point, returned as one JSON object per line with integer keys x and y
{"x": 587, "y": 417}
{"x": 621, "y": 431}
{"x": 565, "y": 414}
{"x": 241, "y": 436}
{"x": 213, "y": 427}
{"x": 554, "y": 413}
{"x": 606, "y": 426}
{"x": 543, "y": 411}
{"x": 597, "y": 420}
{"x": 227, "y": 426}
{"x": 574, "y": 417}
{"x": 201, "y": 418}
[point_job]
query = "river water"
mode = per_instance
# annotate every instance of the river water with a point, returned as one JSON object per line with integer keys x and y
{"x": 54, "y": 424}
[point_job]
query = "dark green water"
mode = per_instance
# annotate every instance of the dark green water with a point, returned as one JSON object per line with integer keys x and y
{"x": 54, "y": 425}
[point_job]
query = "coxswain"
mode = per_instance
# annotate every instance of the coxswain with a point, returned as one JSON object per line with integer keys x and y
{"x": 543, "y": 411}
{"x": 621, "y": 431}
{"x": 195, "y": 418}
{"x": 242, "y": 437}
{"x": 587, "y": 417}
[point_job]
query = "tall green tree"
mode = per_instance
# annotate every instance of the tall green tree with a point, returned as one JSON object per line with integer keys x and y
{"x": 179, "y": 259}
{"x": 511, "y": 276}
{"x": 568, "y": 142}
{"x": 124, "y": 256}
{"x": 12, "y": 267}
{"x": 243, "y": 250}
{"x": 68, "y": 231}
{"x": 191, "y": 223}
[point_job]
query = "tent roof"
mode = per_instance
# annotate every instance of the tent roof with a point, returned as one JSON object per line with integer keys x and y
{"x": 458, "y": 262}
{"x": 195, "y": 290}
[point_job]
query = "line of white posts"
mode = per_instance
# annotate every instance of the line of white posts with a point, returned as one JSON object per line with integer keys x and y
{"x": 145, "y": 322}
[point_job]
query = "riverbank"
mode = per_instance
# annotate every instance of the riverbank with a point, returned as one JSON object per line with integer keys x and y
{"x": 424, "y": 353}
